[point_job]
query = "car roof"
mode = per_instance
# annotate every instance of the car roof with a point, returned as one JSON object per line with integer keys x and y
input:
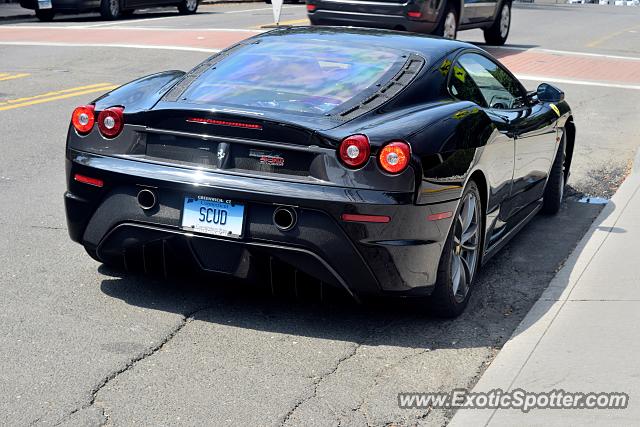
{"x": 428, "y": 46}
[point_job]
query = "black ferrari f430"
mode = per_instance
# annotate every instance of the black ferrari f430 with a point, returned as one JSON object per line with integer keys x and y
{"x": 379, "y": 162}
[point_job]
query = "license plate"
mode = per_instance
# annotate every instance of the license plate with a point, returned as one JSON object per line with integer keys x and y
{"x": 213, "y": 216}
{"x": 44, "y": 4}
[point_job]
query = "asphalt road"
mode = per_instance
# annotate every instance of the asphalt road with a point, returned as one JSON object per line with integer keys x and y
{"x": 84, "y": 345}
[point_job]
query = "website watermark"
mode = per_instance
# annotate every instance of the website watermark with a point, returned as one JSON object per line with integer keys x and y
{"x": 515, "y": 399}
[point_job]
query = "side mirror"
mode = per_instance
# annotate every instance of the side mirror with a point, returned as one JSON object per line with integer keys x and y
{"x": 549, "y": 93}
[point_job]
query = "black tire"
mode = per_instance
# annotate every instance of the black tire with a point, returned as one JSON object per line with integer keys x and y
{"x": 444, "y": 301}
{"x": 45, "y": 15}
{"x": 554, "y": 191}
{"x": 443, "y": 29}
{"x": 188, "y": 7}
{"x": 497, "y": 33}
{"x": 92, "y": 253}
{"x": 110, "y": 9}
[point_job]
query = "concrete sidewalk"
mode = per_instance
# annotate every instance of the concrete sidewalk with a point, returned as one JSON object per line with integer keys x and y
{"x": 582, "y": 335}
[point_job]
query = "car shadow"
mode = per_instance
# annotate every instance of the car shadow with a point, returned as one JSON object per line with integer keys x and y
{"x": 507, "y": 287}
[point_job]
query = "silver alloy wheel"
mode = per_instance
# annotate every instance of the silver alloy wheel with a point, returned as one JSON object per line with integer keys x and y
{"x": 191, "y": 5}
{"x": 466, "y": 242}
{"x": 450, "y": 25}
{"x": 505, "y": 21}
{"x": 114, "y": 7}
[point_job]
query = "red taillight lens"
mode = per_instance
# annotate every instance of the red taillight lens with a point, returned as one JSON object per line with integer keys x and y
{"x": 111, "y": 122}
{"x": 394, "y": 157}
{"x": 83, "y": 119}
{"x": 366, "y": 218}
{"x": 88, "y": 180}
{"x": 311, "y": 8}
{"x": 440, "y": 215}
{"x": 355, "y": 151}
{"x": 414, "y": 15}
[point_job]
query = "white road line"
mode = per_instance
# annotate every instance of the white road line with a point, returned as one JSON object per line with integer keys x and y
{"x": 75, "y": 27}
{"x": 114, "y": 45}
{"x": 563, "y": 52}
{"x": 255, "y": 10}
{"x": 141, "y": 20}
{"x": 109, "y": 24}
{"x": 577, "y": 82}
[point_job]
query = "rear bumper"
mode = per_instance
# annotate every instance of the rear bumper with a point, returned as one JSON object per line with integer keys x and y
{"x": 64, "y": 5}
{"x": 390, "y": 16}
{"x": 400, "y": 257}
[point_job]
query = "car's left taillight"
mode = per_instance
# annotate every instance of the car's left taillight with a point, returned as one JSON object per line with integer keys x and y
{"x": 354, "y": 151}
{"x": 83, "y": 119}
{"x": 111, "y": 121}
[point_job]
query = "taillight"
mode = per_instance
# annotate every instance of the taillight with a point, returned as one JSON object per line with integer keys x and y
{"x": 83, "y": 119}
{"x": 394, "y": 157}
{"x": 414, "y": 15}
{"x": 311, "y": 7}
{"x": 111, "y": 122}
{"x": 355, "y": 151}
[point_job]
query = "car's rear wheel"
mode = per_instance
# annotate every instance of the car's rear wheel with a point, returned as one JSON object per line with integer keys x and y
{"x": 188, "y": 7}
{"x": 497, "y": 33}
{"x": 554, "y": 191}
{"x": 448, "y": 26}
{"x": 110, "y": 9}
{"x": 460, "y": 257}
{"x": 45, "y": 15}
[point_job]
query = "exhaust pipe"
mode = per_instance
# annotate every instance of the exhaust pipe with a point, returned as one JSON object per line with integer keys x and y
{"x": 285, "y": 218}
{"x": 147, "y": 199}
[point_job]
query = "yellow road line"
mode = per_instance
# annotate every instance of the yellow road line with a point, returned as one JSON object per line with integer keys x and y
{"x": 57, "y": 92}
{"x": 610, "y": 36}
{"x": 4, "y": 77}
{"x": 55, "y": 98}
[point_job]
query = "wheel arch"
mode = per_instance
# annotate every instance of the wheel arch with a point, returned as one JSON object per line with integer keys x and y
{"x": 481, "y": 181}
{"x": 570, "y": 131}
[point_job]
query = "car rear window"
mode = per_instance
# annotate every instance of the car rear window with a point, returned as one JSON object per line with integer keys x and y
{"x": 307, "y": 78}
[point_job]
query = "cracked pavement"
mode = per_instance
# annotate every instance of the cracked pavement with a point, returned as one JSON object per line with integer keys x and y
{"x": 83, "y": 345}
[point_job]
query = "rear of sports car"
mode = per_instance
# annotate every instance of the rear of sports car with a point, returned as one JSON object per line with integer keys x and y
{"x": 237, "y": 168}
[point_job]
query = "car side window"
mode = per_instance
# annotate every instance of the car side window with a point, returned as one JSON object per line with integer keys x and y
{"x": 478, "y": 79}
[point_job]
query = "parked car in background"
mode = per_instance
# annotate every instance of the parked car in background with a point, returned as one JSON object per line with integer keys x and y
{"x": 109, "y": 9}
{"x": 443, "y": 18}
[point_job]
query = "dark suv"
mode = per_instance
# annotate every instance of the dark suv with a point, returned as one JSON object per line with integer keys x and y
{"x": 441, "y": 17}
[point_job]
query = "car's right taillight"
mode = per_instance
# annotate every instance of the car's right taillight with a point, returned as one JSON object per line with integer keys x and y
{"x": 111, "y": 122}
{"x": 83, "y": 119}
{"x": 394, "y": 157}
{"x": 354, "y": 151}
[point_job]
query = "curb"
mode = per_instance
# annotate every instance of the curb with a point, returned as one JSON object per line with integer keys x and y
{"x": 506, "y": 367}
